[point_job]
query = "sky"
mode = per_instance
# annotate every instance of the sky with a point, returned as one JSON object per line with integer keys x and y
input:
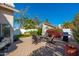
{"x": 56, "y": 13}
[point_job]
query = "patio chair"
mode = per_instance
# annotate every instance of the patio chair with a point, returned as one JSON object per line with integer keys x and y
{"x": 5, "y": 47}
{"x": 50, "y": 39}
{"x": 35, "y": 39}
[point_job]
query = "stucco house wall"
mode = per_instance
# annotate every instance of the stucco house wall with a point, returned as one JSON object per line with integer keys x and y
{"x": 44, "y": 28}
{"x": 6, "y": 17}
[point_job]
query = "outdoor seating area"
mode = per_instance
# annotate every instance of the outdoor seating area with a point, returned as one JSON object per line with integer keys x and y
{"x": 63, "y": 46}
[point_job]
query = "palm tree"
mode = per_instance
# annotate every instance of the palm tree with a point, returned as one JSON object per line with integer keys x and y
{"x": 29, "y": 24}
{"x": 22, "y": 17}
{"x": 37, "y": 20}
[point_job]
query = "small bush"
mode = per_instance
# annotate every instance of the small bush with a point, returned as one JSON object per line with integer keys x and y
{"x": 39, "y": 32}
{"x": 16, "y": 38}
{"x": 77, "y": 40}
{"x": 27, "y": 34}
{"x": 33, "y": 32}
{"x": 76, "y": 34}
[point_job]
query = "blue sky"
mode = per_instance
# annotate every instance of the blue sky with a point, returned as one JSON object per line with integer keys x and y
{"x": 56, "y": 13}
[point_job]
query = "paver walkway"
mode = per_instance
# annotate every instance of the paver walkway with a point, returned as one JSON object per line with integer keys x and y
{"x": 24, "y": 47}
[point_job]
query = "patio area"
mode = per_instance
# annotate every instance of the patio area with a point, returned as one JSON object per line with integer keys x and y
{"x": 25, "y": 47}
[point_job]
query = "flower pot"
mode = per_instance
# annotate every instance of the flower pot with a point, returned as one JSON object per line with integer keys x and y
{"x": 70, "y": 50}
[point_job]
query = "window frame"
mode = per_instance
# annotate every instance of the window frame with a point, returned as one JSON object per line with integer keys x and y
{"x": 3, "y": 33}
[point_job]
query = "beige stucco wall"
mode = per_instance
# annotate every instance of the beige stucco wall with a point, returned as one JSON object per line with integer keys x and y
{"x": 44, "y": 28}
{"x": 6, "y": 17}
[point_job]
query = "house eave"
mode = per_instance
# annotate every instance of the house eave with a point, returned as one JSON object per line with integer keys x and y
{"x": 8, "y": 7}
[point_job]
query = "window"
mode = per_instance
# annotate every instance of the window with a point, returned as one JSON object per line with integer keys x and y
{"x": 47, "y": 27}
{"x": 5, "y": 30}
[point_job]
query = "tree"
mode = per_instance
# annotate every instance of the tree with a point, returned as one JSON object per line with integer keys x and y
{"x": 69, "y": 25}
{"x": 37, "y": 20}
{"x": 76, "y": 21}
{"x": 22, "y": 17}
{"x": 66, "y": 25}
{"x": 76, "y": 30}
{"x": 76, "y": 34}
{"x": 29, "y": 24}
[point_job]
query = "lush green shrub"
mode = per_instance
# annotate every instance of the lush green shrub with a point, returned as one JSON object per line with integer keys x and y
{"x": 33, "y": 32}
{"x": 76, "y": 34}
{"x": 19, "y": 36}
{"x": 39, "y": 32}
{"x": 77, "y": 39}
{"x": 27, "y": 34}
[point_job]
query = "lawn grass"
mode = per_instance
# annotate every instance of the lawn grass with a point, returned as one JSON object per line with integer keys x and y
{"x": 22, "y": 36}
